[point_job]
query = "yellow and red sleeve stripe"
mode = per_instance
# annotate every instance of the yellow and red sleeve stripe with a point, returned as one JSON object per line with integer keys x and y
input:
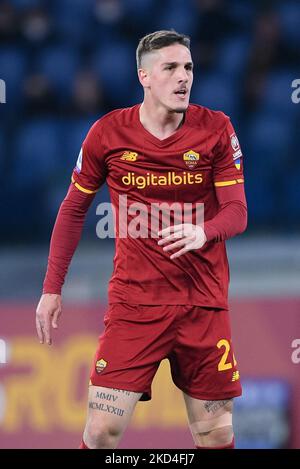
{"x": 82, "y": 189}
{"x": 229, "y": 183}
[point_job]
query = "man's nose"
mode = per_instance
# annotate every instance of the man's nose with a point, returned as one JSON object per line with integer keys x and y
{"x": 183, "y": 75}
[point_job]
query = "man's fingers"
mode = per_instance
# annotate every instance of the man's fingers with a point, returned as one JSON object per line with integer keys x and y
{"x": 56, "y": 318}
{"x": 47, "y": 316}
{"x": 47, "y": 334}
{"x": 179, "y": 253}
{"x": 170, "y": 229}
{"x": 170, "y": 238}
{"x": 43, "y": 325}
{"x": 187, "y": 235}
{"x": 189, "y": 246}
{"x": 177, "y": 244}
{"x": 39, "y": 330}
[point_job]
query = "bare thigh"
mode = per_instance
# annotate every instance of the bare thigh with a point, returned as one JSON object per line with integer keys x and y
{"x": 109, "y": 413}
{"x": 210, "y": 421}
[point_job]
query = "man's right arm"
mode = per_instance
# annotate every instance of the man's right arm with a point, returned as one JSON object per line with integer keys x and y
{"x": 64, "y": 240}
{"x": 65, "y": 237}
{"x": 88, "y": 176}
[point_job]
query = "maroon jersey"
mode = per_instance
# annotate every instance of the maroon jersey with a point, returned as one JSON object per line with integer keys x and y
{"x": 188, "y": 167}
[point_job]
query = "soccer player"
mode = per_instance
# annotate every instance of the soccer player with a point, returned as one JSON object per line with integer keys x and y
{"x": 168, "y": 295}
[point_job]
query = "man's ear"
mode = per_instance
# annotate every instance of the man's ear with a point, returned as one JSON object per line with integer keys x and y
{"x": 144, "y": 75}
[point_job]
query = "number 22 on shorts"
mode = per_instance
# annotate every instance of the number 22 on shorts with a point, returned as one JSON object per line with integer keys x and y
{"x": 223, "y": 364}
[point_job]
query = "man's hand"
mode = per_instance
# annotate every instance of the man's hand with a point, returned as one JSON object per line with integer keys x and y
{"x": 185, "y": 236}
{"x": 47, "y": 315}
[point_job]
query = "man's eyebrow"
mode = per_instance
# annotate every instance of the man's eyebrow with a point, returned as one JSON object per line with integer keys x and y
{"x": 176, "y": 63}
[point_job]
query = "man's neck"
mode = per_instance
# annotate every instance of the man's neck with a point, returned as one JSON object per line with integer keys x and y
{"x": 159, "y": 122}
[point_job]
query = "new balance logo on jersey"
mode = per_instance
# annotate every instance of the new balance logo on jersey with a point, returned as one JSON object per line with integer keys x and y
{"x": 129, "y": 156}
{"x": 235, "y": 376}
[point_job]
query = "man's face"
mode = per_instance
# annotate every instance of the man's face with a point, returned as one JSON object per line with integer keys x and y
{"x": 169, "y": 77}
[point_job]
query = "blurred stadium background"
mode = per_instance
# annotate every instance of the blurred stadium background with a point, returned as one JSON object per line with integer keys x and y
{"x": 67, "y": 62}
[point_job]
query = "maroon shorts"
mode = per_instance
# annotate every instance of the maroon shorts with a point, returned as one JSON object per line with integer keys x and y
{"x": 196, "y": 340}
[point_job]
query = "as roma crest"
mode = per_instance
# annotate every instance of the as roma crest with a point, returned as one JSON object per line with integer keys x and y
{"x": 100, "y": 365}
{"x": 191, "y": 159}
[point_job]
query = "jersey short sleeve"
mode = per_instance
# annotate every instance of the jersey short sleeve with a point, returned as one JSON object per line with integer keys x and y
{"x": 90, "y": 170}
{"x": 228, "y": 158}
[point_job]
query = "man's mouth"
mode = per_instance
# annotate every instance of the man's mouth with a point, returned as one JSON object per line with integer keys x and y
{"x": 181, "y": 92}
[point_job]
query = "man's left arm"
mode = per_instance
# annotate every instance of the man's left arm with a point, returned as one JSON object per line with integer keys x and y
{"x": 228, "y": 179}
{"x": 231, "y": 217}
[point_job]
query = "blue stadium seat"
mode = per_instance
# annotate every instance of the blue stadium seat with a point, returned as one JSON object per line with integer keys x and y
{"x": 243, "y": 13}
{"x": 43, "y": 152}
{"x": 181, "y": 16}
{"x": 73, "y": 19}
{"x": 291, "y": 200}
{"x": 267, "y": 143}
{"x": 3, "y": 152}
{"x": 268, "y": 151}
{"x": 38, "y": 153}
{"x": 289, "y": 15}
{"x": 74, "y": 132}
{"x": 232, "y": 56}
{"x": 79, "y": 6}
{"x": 217, "y": 92}
{"x": 13, "y": 66}
{"x": 137, "y": 93}
{"x": 276, "y": 96}
{"x": 59, "y": 64}
{"x": 116, "y": 68}
{"x": 54, "y": 196}
{"x": 69, "y": 134}
{"x": 23, "y": 4}
{"x": 138, "y": 9}
{"x": 261, "y": 197}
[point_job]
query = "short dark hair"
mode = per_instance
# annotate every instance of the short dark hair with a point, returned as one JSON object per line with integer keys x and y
{"x": 158, "y": 40}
